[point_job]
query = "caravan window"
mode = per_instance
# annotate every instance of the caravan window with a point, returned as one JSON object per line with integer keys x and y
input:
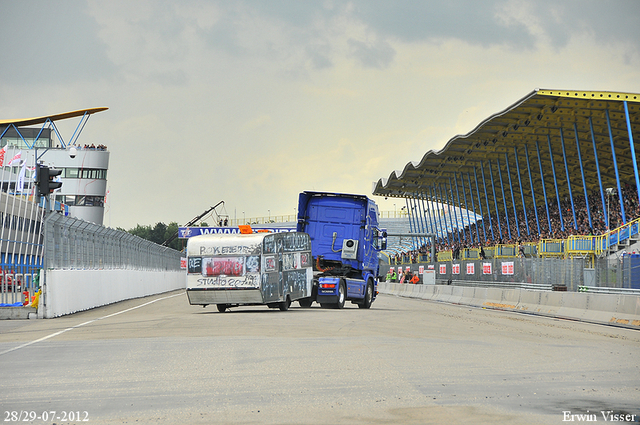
{"x": 230, "y": 266}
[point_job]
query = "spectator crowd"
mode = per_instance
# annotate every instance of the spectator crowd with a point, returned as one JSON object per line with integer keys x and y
{"x": 487, "y": 232}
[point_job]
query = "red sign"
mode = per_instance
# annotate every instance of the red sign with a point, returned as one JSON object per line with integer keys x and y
{"x": 486, "y": 268}
{"x": 443, "y": 269}
{"x": 471, "y": 269}
{"x": 507, "y": 267}
{"x": 455, "y": 268}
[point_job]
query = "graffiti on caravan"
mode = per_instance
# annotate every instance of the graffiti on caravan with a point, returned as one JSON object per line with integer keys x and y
{"x": 187, "y": 232}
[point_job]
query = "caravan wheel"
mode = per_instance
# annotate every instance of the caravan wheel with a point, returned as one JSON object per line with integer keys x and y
{"x": 284, "y": 306}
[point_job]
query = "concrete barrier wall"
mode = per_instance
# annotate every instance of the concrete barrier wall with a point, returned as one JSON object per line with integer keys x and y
{"x": 614, "y": 309}
{"x": 70, "y": 291}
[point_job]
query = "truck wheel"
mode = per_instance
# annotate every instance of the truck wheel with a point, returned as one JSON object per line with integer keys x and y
{"x": 284, "y": 305}
{"x": 305, "y": 302}
{"x": 368, "y": 297}
{"x": 342, "y": 295}
{"x": 221, "y": 307}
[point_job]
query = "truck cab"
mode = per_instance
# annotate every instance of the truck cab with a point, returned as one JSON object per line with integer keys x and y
{"x": 345, "y": 242}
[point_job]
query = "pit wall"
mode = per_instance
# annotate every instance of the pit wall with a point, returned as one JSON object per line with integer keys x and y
{"x": 610, "y": 309}
{"x": 71, "y": 291}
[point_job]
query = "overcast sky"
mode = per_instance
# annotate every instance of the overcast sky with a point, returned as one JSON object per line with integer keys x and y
{"x": 252, "y": 102}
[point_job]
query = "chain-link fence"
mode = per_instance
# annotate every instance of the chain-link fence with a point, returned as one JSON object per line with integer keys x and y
{"x": 20, "y": 246}
{"x": 536, "y": 271}
{"x": 524, "y": 272}
{"x": 77, "y": 244}
{"x": 622, "y": 272}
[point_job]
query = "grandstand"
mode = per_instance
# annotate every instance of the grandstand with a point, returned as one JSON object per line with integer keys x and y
{"x": 553, "y": 175}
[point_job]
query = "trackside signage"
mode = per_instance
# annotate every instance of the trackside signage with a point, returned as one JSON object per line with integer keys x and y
{"x": 187, "y": 232}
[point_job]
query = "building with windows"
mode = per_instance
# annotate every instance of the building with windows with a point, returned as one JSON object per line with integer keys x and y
{"x": 23, "y": 144}
{"x": 84, "y": 167}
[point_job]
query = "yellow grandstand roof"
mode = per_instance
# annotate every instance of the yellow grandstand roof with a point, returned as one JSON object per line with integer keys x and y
{"x": 546, "y": 120}
{"x": 23, "y": 122}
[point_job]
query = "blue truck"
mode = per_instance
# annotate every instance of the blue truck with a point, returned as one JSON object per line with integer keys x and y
{"x": 345, "y": 241}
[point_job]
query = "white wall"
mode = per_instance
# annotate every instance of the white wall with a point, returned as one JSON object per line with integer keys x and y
{"x": 70, "y": 291}
{"x": 613, "y": 309}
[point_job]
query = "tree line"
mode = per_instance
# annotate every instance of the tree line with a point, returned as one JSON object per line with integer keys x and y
{"x": 159, "y": 233}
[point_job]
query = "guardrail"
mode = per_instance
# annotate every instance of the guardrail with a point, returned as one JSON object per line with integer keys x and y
{"x": 520, "y": 285}
{"x": 551, "y": 248}
{"x": 607, "y": 290}
{"x": 603, "y": 243}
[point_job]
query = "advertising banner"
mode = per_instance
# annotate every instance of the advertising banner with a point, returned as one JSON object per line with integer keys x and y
{"x": 471, "y": 268}
{"x": 507, "y": 268}
{"x": 187, "y": 232}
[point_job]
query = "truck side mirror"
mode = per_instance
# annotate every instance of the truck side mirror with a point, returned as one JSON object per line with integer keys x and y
{"x": 380, "y": 240}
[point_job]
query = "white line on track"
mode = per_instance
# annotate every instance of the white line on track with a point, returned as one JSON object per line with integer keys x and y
{"x": 82, "y": 324}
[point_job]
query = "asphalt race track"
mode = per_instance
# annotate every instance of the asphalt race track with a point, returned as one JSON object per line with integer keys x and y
{"x": 404, "y": 361}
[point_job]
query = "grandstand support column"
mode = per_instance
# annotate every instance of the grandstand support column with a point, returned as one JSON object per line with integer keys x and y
{"x": 555, "y": 178}
{"x": 633, "y": 149}
{"x": 439, "y": 222}
{"x": 566, "y": 167}
{"x": 595, "y": 156}
{"x": 615, "y": 167}
{"x": 484, "y": 230}
{"x": 424, "y": 211}
{"x": 411, "y": 217}
{"x": 449, "y": 225}
{"x": 428, "y": 211}
{"x": 584, "y": 182}
{"x": 455, "y": 214}
{"x": 533, "y": 194}
{"x": 513, "y": 199}
{"x": 454, "y": 224}
{"x": 419, "y": 221}
{"x": 486, "y": 198}
{"x": 446, "y": 225}
{"x": 504, "y": 199}
{"x": 455, "y": 178}
{"x": 417, "y": 226}
{"x": 495, "y": 201}
{"x": 544, "y": 188}
{"x": 473, "y": 204}
{"x": 524, "y": 206}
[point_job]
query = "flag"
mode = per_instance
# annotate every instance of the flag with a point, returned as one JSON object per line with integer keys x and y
{"x": 15, "y": 160}
{"x": 20, "y": 186}
{"x": 2, "y": 152}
